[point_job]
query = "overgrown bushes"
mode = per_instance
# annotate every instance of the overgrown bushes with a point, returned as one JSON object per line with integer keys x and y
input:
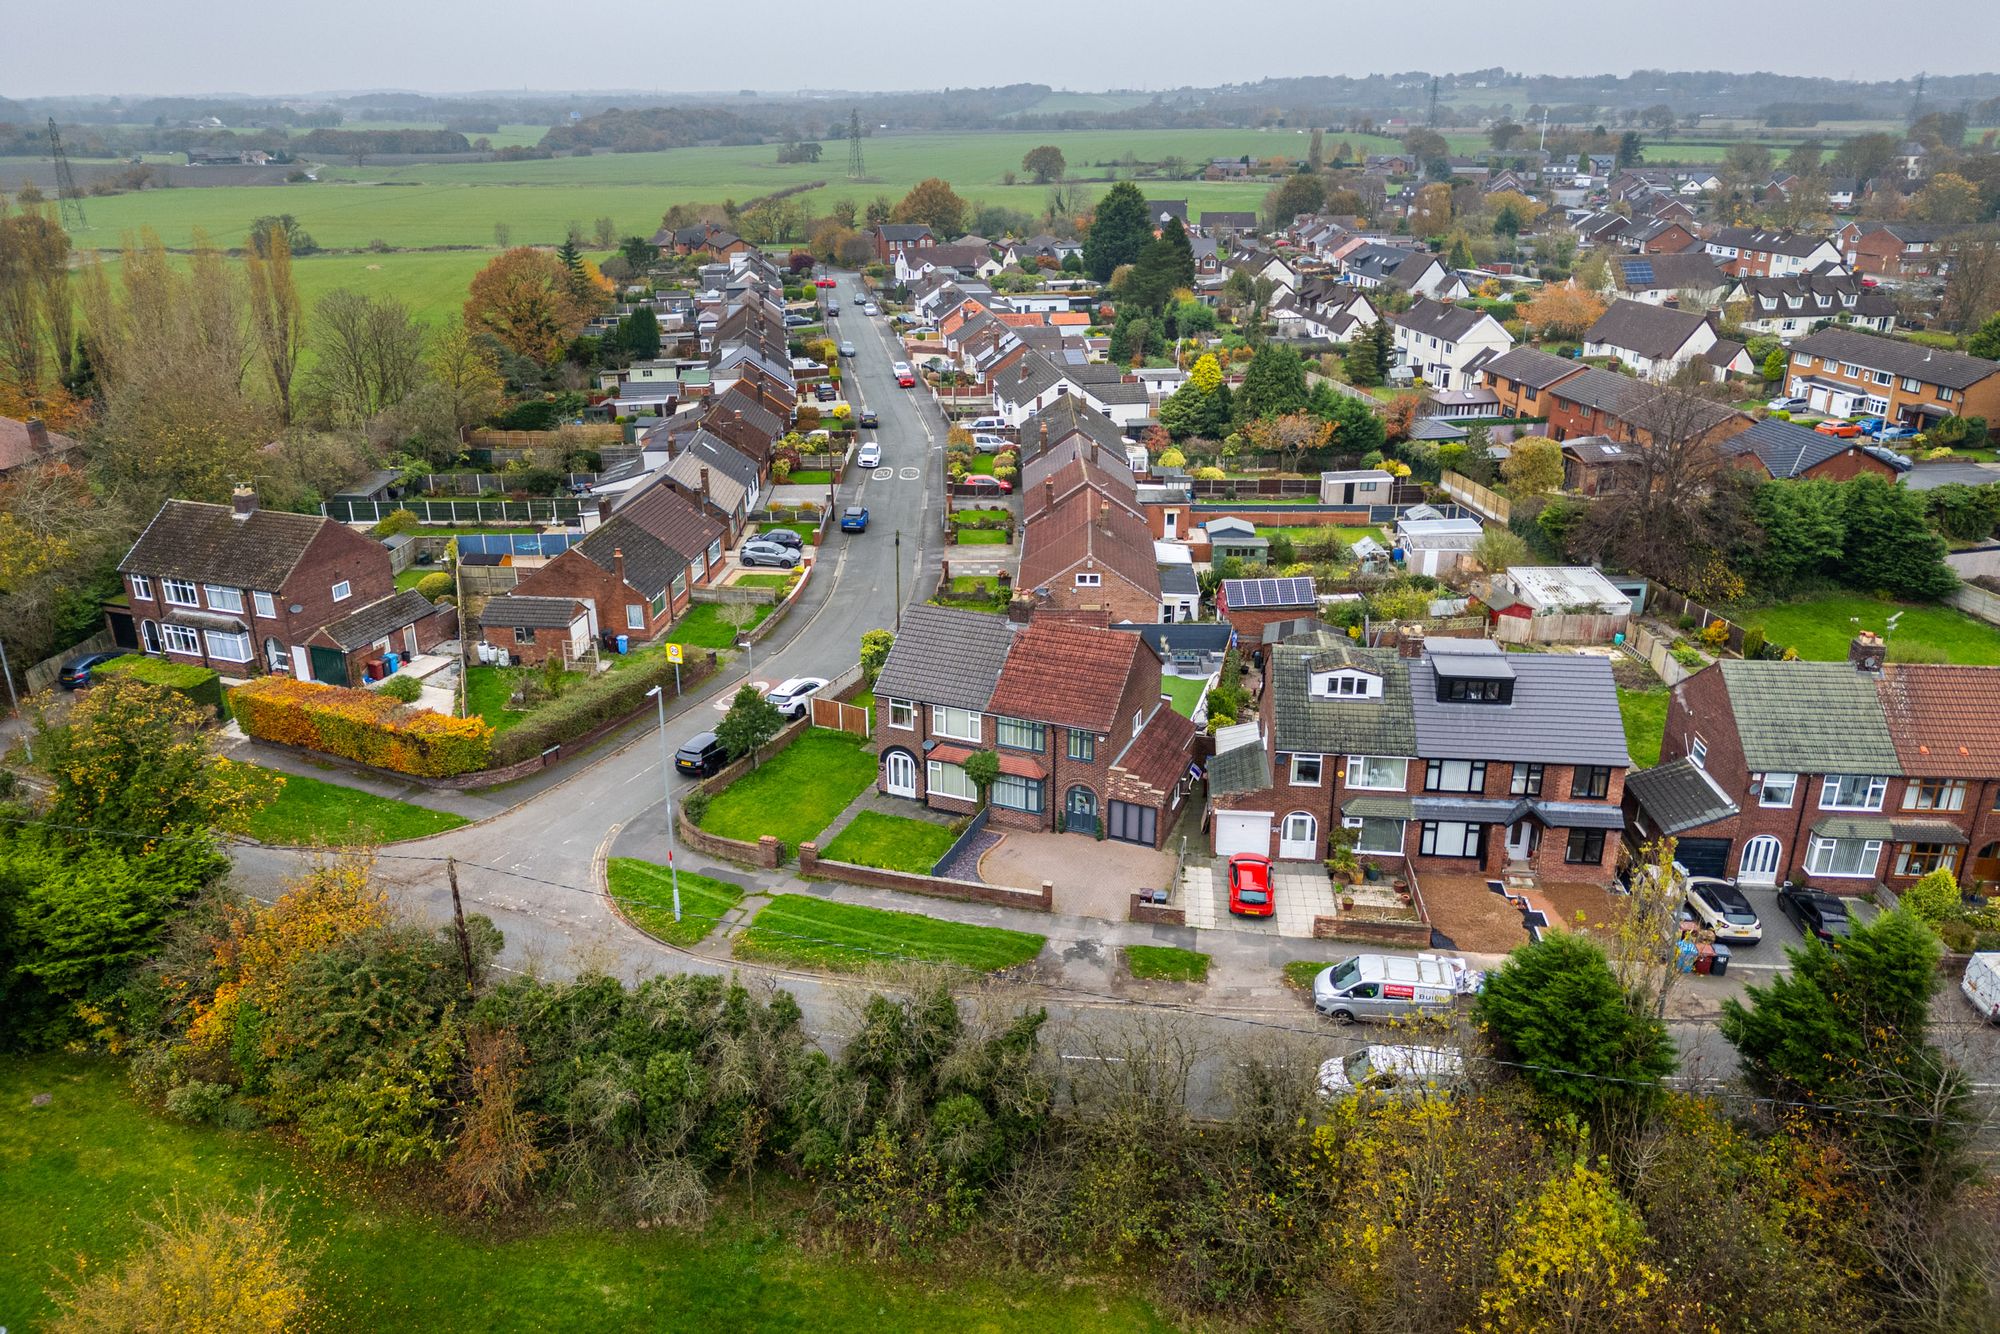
{"x": 602, "y": 698}
{"x": 202, "y": 685}
{"x": 362, "y": 725}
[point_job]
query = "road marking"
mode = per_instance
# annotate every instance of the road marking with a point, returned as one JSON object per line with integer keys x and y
{"x": 884, "y": 473}
{"x": 907, "y": 474}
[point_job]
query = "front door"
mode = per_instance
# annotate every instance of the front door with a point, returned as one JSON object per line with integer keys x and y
{"x": 1080, "y": 811}
{"x": 1985, "y": 868}
{"x": 899, "y": 774}
{"x": 149, "y": 632}
{"x": 1172, "y": 522}
{"x": 1298, "y": 839}
{"x": 1521, "y": 840}
{"x": 1760, "y": 861}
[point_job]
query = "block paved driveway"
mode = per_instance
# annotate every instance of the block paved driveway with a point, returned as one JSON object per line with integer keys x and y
{"x": 1092, "y": 877}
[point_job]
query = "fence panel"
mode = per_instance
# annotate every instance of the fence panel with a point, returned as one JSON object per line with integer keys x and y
{"x": 1653, "y": 650}
{"x": 1468, "y": 492}
{"x": 561, "y": 509}
{"x": 1975, "y": 602}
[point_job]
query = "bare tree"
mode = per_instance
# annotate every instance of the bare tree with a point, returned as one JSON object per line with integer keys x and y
{"x": 369, "y": 354}
{"x": 277, "y": 315}
{"x": 1972, "y": 288}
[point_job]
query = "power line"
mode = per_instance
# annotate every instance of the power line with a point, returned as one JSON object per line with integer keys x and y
{"x": 69, "y": 199}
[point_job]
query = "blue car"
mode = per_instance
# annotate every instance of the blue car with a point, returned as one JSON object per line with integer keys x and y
{"x": 854, "y": 519}
{"x": 76, "y": 674}
{"x": 1897, "y": 433}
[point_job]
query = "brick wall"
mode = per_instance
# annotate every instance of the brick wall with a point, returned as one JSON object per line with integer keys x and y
{"x": 545, "y": 641}
{"x": 575, "y": 575}
{"x": 969, "y": 891}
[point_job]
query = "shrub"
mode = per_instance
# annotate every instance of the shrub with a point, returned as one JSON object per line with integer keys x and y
{"x": 695, "y": 804}
{"x": 1935, "y": 897}
{"x": 361, "y": 725}
{"x": 397, "y": 521}
{"x": 437, "y": 584}
{"x": 400, "y": 687}
{"x": 1715, "y": 636}
{"x": 1753, "y": 642}
{"x": 203, "y": 685}
{"x": 1686, "y": 656}
{"x": 601, "y": 699}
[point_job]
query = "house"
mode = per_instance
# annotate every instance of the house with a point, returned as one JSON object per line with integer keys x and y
{"x": 30, "y": 441}
{"x": 1625, "y": 410}
{"x": 713, "y": 475}
{"x": 244, "y": 590}
{"x": 1662, "y": 235}
{"x": 1910, "y": 158}
{"x": 1783, "y": 451}
{"x": 1751, "y": 252}
{"x": 1655, "y": 341}
{"x": 1894, "y": 250}
{"x": 1229, "y": 537}
{"x": 1359, "y": 486}
{"x": 1180, "y": 589}
{"x": 1789, "y": 307}
{"x": 964, "y": 261}
{"x": 1441, "y": 342}
{"x": 1842, "y": 775}
{"x": 533, "y": 629}
{"x": 1418, "y": 272}
{"x": 1085, "y": 546}
{"x": 1435, "y": 546}
{"x": 1843, "y": 372}
{"x": 1595, "y": 465}
{"x": 1224, "y": 223}
{"x": 1160, "y": 210}
{"x": 1066, "y": 420}
{"x": 1085, "y": 739}
{"x": 1248, "y": 605}
{"x": 1445, "y": 756}
{"x": 1690, "y": 278}
{"x": 1534, "y": 604}
{"x": 633, "y": 583}
{"x": 891, "y": 239}
{"x": 1519, "y": 375}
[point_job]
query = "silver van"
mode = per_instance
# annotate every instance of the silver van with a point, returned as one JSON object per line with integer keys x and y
{"x": 1396, "y": 1071}
{"x": 1389, "y": 986}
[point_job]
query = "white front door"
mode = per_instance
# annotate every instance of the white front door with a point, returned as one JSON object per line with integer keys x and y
{"x": 1172, "y": 523}
{"x": 1298, "y": 841}
{"x": 900, "y": 774}
{"x": 301, "y": 663}
{"x": 1760, "y": 861}
{"x": 1520, "y": 840}
{"x": 1242, "y": 831}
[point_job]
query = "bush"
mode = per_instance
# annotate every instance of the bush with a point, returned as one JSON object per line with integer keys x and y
{"x": 361, "y": 725}
{"x": 437, "y": 584}
{"x": 695, "y": 804}
{"x": 1715, "y": 636}
{"x": 1753, "y": 642}
{"x": 1935, "y": 897}
{"x": 397, "y": 521}
{"x": 601, "y": 699}
{"x": 400, "y": 687}
{"x": 203, "y": 685}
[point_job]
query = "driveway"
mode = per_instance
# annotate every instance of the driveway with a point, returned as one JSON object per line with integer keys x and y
{"x": 1301, "y": 891}
{"x": 1092, "y": 877}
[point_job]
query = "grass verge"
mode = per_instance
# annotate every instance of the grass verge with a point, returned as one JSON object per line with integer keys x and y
{"x": 795, "y": 793}
{"x": 1299, "y": 973}
{"x": 309, "y": 811}
{"x": 892, "y": 842}
{"x": 1645, "y": 715}
{"x": 1166, "y": 963}
{"x": 646, "y": 895}
{"x": 809, "y": 932}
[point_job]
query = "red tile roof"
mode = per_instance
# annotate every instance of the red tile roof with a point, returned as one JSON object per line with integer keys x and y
{"x": 1011, "y": 762}
{"x": 1076, "y": 534}
{"x": 1943, "y": 720}
{"x": 1155, "y": 761}
{"x": 1068, "y": 674}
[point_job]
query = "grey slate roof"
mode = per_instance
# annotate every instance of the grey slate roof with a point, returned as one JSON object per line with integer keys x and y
{"x": 1808, "y": 717}
{"x": 1785, "y": 448}
{"x": 1245, "y": 769}
{"x": 1302, "y": 724}
{"x": 1565, "y": 711}
{"x": 650, "y": 564}
{"x": 1182, "y": 579}
{"x": 1679, "y": 796}
{"x": 1180, "y": 636}
{"x": 946, "y": 656}
{"x": 1450, "y": 323}
{"x": 1530, "y": 366}
{"x": 529, "y": 612}
{"x": 1954, "y": 370}
{"x": 1691, "y": 269}
{"x": 379, "y": 619}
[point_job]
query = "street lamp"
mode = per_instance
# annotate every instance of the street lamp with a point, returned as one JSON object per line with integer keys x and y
{"x": 667, "y": 787}
{"x": 750, "y": 648}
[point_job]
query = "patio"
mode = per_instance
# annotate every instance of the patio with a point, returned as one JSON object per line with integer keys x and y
{"x": 1092, "y": 877}
{"x": 1468, "y": 912}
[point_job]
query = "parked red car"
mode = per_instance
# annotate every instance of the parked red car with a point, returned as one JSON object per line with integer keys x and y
{"x": 981, "y": 482}
{"x": 1250, "y": 885}
{"x": 822, "y": 282}
{"x": 1845, "y": 430}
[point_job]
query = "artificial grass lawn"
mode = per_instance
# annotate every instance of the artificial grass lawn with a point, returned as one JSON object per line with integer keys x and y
{"x": 1299, "y": 973}
{"x": 78, "y": 1175}
{"x": 1186, "y": 692}
{"x": 1307, "y": 532}
{"x": 1166, "y": 963}
{"x": 795, "y": 793}
{"x": 1820, "y": 628}
{"x": 704, "y": 627}
{"x": 309, "y": 811}
{"x": 810, "y": 477}
{"x": 1645, "y": 716}
{"x": 761, "y": 581}
{"x": 892, "y": 842}
{"x": 846, "y": 937}
{"x": 982, "y": 537}
{"x": 645, "y": 893}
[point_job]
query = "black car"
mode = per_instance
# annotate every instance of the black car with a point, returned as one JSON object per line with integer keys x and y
{"x": 868, "y": 421}
{"x": 76, "y": 673}
{"x": 701, "y": 756}
{"x": 825, "y": 393}
{"x": 1816, "y": 913}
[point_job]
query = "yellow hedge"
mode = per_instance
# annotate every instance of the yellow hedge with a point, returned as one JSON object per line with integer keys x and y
{"x": 361, "y": 725}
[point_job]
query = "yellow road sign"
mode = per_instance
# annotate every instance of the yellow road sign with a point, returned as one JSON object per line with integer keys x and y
{"x": 674, "y": 653}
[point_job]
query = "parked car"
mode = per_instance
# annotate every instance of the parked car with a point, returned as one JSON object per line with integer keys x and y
{"x": 769, "y": 553}
{"x": 832, "y": 310}
{"x": 981, "y": 482}
{"x": 978, "y": 424}
{"x": 1845, "y": 430}
{"x": 868, "y": 419}
{"x": 1981, "y": 983}
{"x": 1896, "y": 433}
{"x": 1816, "y": 913}
{"x": 904, "y": 375}
{"x": 797, "y": 321}
{"x": 77, "y": 672}
{"x": 701, "y": 756}
{"x": 847, "y": 349}
{"x": 1870, "y": 425}
{"x": 791, "y": 696}
{"x": 1721, "y": 907}
{"x": 1782, "y": 404}
{"x": 784, "y": 537}
{"x": 861, "y": 300}
{"x": 991, "y": 444}
{"x": 868, "y": 456}
{"x": 1250, "y": 885}
{"x": 822, "y": 282}
{"x": 1389, "y": 986}
{"x": 854, "y": 519}
{"x": 825, "y": 392}
{"x": 1395, "y": 1070}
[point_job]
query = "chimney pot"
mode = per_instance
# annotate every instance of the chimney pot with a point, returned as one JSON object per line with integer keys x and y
{"x": 38, "y": 436}
{"x": 704, "y": 483}
{"x": 618, "y": 563}
{"x": 1865, "y": 653}
{"x": 242, "y": 502}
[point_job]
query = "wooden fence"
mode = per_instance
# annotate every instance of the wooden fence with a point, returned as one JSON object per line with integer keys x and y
{"x": 591, "y": 435}
{"x": 1470, "y": 493}
{"x": 448, "y": 484}
{"x": 1975, "y": 602}
{"x": 1654, "y": 651}
{"x": 831, "y": 712}
{"x": 1560, "y": 629}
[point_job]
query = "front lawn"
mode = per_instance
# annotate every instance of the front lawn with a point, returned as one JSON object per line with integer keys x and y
{"x": 645, "y": 892}
{"x": 1308, "y": 532}
{"x": 777, "y": 581}
{"x": 892, "y": 842}
{"x": 1645, "y": 715}
{"x": 980, "y": 465}
{"x": 795, "y": 793}
{"x": 810, "y": 932}
{"x": 1821, "y": 628}
{"x": 1186, "y": 692}
{"x": 487, "y": 690}
{"x": 962, "y": 517}
{"x": 1166, "y": 963}
{"x": 309, "y": 811}
{"x": 805, "y": 532}
{"x": 810, "y": 477}
{"x": 981, "y": 537}
{"x": 704, "y": 627}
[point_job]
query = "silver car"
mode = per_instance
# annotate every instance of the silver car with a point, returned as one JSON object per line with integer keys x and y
{"x": 791, "y": 696}
{"x": 769, "y": 553}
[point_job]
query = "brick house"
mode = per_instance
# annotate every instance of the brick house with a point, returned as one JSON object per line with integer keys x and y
{"x": 1752, "y": 252}
{"x": 1842, "y": 775}
{"x": 1843, "y": 371}
{"x": 1893, "y": 250}
{"x": 633, "y": 583}
{"x": 1518, "y": 376}
{"x": 1449, "y": 756}
{"x": 1782, "y": 451}
{"x": 891, "y": 239}
{"x": 1629, "y": 411}
{"x": 1248, "y": 605}
{"x": 1074, "y": 712}
{"x": 1085, "y": 543}
{"x": 532, "y": 629}
{"x": 405, "y": 623}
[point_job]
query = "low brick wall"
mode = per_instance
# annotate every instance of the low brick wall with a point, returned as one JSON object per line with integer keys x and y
{"x": 1156, "y": 914}
{"x": 938, "y": 887}
{"x": 766, "y": 852}
{"x": 1403, "y": 935}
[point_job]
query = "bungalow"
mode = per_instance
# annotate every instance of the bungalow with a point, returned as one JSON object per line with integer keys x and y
{"x": 1690, "y": 279}
{"x": 633, "y": 583}
{"x": 1629, "y": 411}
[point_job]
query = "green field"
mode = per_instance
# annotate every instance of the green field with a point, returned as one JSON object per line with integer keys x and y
{"x": 645, "y": 893}
{"x": 309, "y": 812}
{"x": 79, "y": 1174}
{"x": 1645, "y": 716}
{"x": 846, "y": 937}
{"x": 795, "y": 793}
{"x": 1821, "y": 628}
{"x": 893, "y": 842}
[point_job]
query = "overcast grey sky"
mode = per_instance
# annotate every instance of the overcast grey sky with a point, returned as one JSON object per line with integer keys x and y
{"x": 143, "y": 46}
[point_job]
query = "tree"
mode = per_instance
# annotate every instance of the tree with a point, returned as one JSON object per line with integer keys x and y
{"x": 1165, "y": 266}
{"x": 463, "y": 367}
{"x": 1804, "y": 526}
{"x": 298, "y": 241}
{"x": 1430, "y": 215}
{"x": 1631, "y": 149}
{"x": 277, "y": 315}
{"x": 1500, "y": 549}
{"x": 1045, "y": 163}
{"x": 1502, "y": 134}
{"x": 751, "y": 721}
{"x": 1562, "y": 310}
{"x": 933, "y": 202}
{"x": 1575, "y": 1260}
{"x": 1119, "y": 230}
{"x": 1948, "y": 198}
{"x": 527, "y": 298}
{"x": 1274, "y": 383}
{"x": 1775, "y": 364}
{"x": 1356, "y": 428}
{"x": 1298, "y": 193}
{"x": 1291, "y": 436}
{"x": 875, "y": 646}
{"x": 1200, "y": 407}
{"x": 1534, "y": 466}
{"x": 1986, "y": 342}
{"x": 368, "y": 354}
{"x": 1890, "y": 544}
{"x": 983, "y": 768}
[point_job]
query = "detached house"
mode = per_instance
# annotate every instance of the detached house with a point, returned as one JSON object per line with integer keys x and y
{"x": 1842, "y": 372}
{"x": 891, "y": 239}
{"x": 631, "y": 582}
{"x": 1657, "y": 341}
{"x": 1443, "y": 343}
{"x": 1692, "y": 278}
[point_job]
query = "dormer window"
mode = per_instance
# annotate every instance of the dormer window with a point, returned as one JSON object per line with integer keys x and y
{"x": 1347, "y": 683}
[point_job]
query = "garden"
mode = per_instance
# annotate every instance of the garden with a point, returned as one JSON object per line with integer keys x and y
{"x": 645, "y": 894}
{"x": 891, "y": 842}
{"x": 973, "y": 527}
{"x": 792, "y": 794}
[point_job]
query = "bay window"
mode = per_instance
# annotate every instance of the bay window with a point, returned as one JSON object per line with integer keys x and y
{"x": 1852, "y": 792}
{"x": 1848, "y": 857}
{"x": 1923, "y": 858}
{"x": 1381, "y": 773}
{"x": 228, "y": 647}
{"x": 180, "y": 639}
{"x": 958, "y": 724}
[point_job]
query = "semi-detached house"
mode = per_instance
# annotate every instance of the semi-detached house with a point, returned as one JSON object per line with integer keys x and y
{"x": 1443, "y": 344}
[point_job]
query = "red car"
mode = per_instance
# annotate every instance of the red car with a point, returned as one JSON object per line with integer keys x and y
{"x": 1845, "y": 430}
{"x": 822, "y": 282}
{"x": 1250, "y": 885}
{"x": 981, "y": 482}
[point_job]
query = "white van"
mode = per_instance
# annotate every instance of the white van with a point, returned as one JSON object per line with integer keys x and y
{"x": 1388, "y": 986}
{"x": 1392, "y": 1070}
{"x": 1981, "y": 984}
{"x": 984, "y": 424}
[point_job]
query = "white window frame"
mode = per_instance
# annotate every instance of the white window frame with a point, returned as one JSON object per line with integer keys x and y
{"x": 635, "y": 616}
{"x": 223, "y": 599}
{"x": 180, "y": 639}
{"x": 1318, "y": 766}
{"x": 142, "y": 588}
{"x": 903, "y": 709}
{"x": 343, "y": 591}
{"x": 1789, "y": 783}
{"x": 229, "y": 645}
{"x": 1360, "y": 825}
{"x": 1816, "y": 863}
{"x": 266, "y": 605}
{"x": 1829, "y": 792}
{"x": 1358, "y": 777}
{"x": 180, "y": 593}
{"x": 942, "y": 717}
{"x": 944, "y": 780}
{"x": 1084, "y": 580}
{"x": 1698, "y": 752}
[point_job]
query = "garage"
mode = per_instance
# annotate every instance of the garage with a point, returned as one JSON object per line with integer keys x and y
{"x": 1242, "y": 831}
{"x": 1704, "y": 856}
{"x": 1129, "y": 822}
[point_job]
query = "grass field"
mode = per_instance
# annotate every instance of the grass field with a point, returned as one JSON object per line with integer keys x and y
{"x": 892, "y": 842}
{"x": 1166, "y": 963}
{"x": 310, "y": 811}
{"x": 646, "y": 895}
{"x": 1186, "y": 692}
{"x": 704, "y": 627}
{"x": 78, "y": 1174}
{"x": 1821, "y": 628}
{"x": 795, "y": 793}
{"x": 845, "y": 937}
{"x": 1645, "y": 715}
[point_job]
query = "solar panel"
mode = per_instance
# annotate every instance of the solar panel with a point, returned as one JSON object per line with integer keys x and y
{"x": 1639, "y": 272}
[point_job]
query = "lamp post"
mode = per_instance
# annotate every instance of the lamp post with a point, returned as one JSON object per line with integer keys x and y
{"x": 899, "y": 580}
{"x": 667, "y": 788}
{"x": 14, "y": 700}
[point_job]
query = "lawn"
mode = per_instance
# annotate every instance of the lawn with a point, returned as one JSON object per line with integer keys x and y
{"x": 415, "y": 575}
{"x": 487, "y": 690}
{"x": 778, "y": 581}
{"x": 704, "y": 627}
{"x": 979, "y": 516}
{"x": 646, "y": 895}
{"x": 981, "y": 537}
{"x": 892, "y": 842}
{"x": 805, "y": 532}
{"x": 78, "y": 1174}
{"x": 1166, "y": 963}
{"x": 310, "y": 811}
{"x": 1821, "y": 628}
{"x": 795, "y": 793}
{"x": 1308, "y": 532}
{"x": 810, "y": 477}
{"x": 981, "y": 465}
{"x": 1645, "y": 716}
{"x": 1300, "y": 973}
{"x": 1186, "y": 692}
{"x": 846, "y": 937}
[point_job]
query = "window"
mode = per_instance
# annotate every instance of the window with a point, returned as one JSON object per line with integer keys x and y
{"x": 1585, "y": 847}
{"x": 1945, "y": 395}
{"x": 1775, "y": 789}
{"x": 229, "y": 646}
{"x": 1881, "y": 377}
{"x": 658, "y": 602}
{"x": 180, "y": 639}
{"x": 1378, "y": 772}
{"x": 1471, "y": 692}
{"x": 1305, "y": 770}
{"x": 635, "y": 616}
{"x": 958, "y": 724}
{"x": 181, "y": 593}
{"x": 1852, "y": 792}
{"x": 342, "y": 591}
{"x": 523, "y": 635}
{"x": 224, "y": 599}
{"x": 1089, "y": 580}
{"x": 1449, "y": 838}
{"x": 1935, "y": 794}
{"x": 1923, "y": 858}
{"x": 1591, "y": 781}
{"x": 1082, "y": 746}
{"x": 715, "y": 551}
{"x": 267, "y": 606}
{"x": 1377, "y": 835}
{"x": 680, "y": 584}
{"x": 1910, "y": 384}
{"x": 1698, "y": 752}
{"x": 902, "y": 714}
{"x": 948, "y": 780}
{"x": 1455, "y": 776}
{"x": 1527, "y": 780}
{"x": 1017, "y": 793}
{"x": 1853, "y": 857}
{"x": 1020, "y": 735}
{"x": 142, "y": 588}
{"x": 1346, "y": 685}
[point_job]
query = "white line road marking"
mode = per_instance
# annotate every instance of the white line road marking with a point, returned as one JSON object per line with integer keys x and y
{"x": 907, "y": 474}
{"x": 884, "y": 473}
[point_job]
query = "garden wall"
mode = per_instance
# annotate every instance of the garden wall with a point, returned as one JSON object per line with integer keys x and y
{"x": 1402, "y": 935}
{"x": 43, "y": 674}
{"x": 967, "y": 891}
{"x": 1156, "y": 914}
{"x": 767, "y": 851}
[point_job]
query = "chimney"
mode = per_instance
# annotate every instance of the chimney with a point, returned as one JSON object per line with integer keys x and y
{"x": 1410, "y": 641}
{"x": 1048, "y": 491}
{"x": 618, "y": 564}
{"x": 704, "y": 483}
{"x": 1045, "y": 440}
{"x": 1865, "y": 653}
{"x": 604, "y": 509}
{"x": 1104, "y": 515}
{"x": 242, "y": 502}
{"x": 38, "y": 437}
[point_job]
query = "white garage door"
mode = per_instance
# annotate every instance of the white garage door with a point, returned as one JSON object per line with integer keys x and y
{"x": 1240, "y": 831}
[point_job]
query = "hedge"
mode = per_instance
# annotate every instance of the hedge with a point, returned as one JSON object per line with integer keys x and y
{"x": 603, "y": 698}
{"x": 361, "y": 725}
{"x": 203, "y": 685}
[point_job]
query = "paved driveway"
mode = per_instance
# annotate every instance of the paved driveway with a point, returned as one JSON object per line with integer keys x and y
{"x": 1092, "y": 877}
{"x": 1301, "y": 891}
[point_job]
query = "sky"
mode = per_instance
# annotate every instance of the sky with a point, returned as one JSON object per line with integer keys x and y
{"x": 449, "y": 46}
